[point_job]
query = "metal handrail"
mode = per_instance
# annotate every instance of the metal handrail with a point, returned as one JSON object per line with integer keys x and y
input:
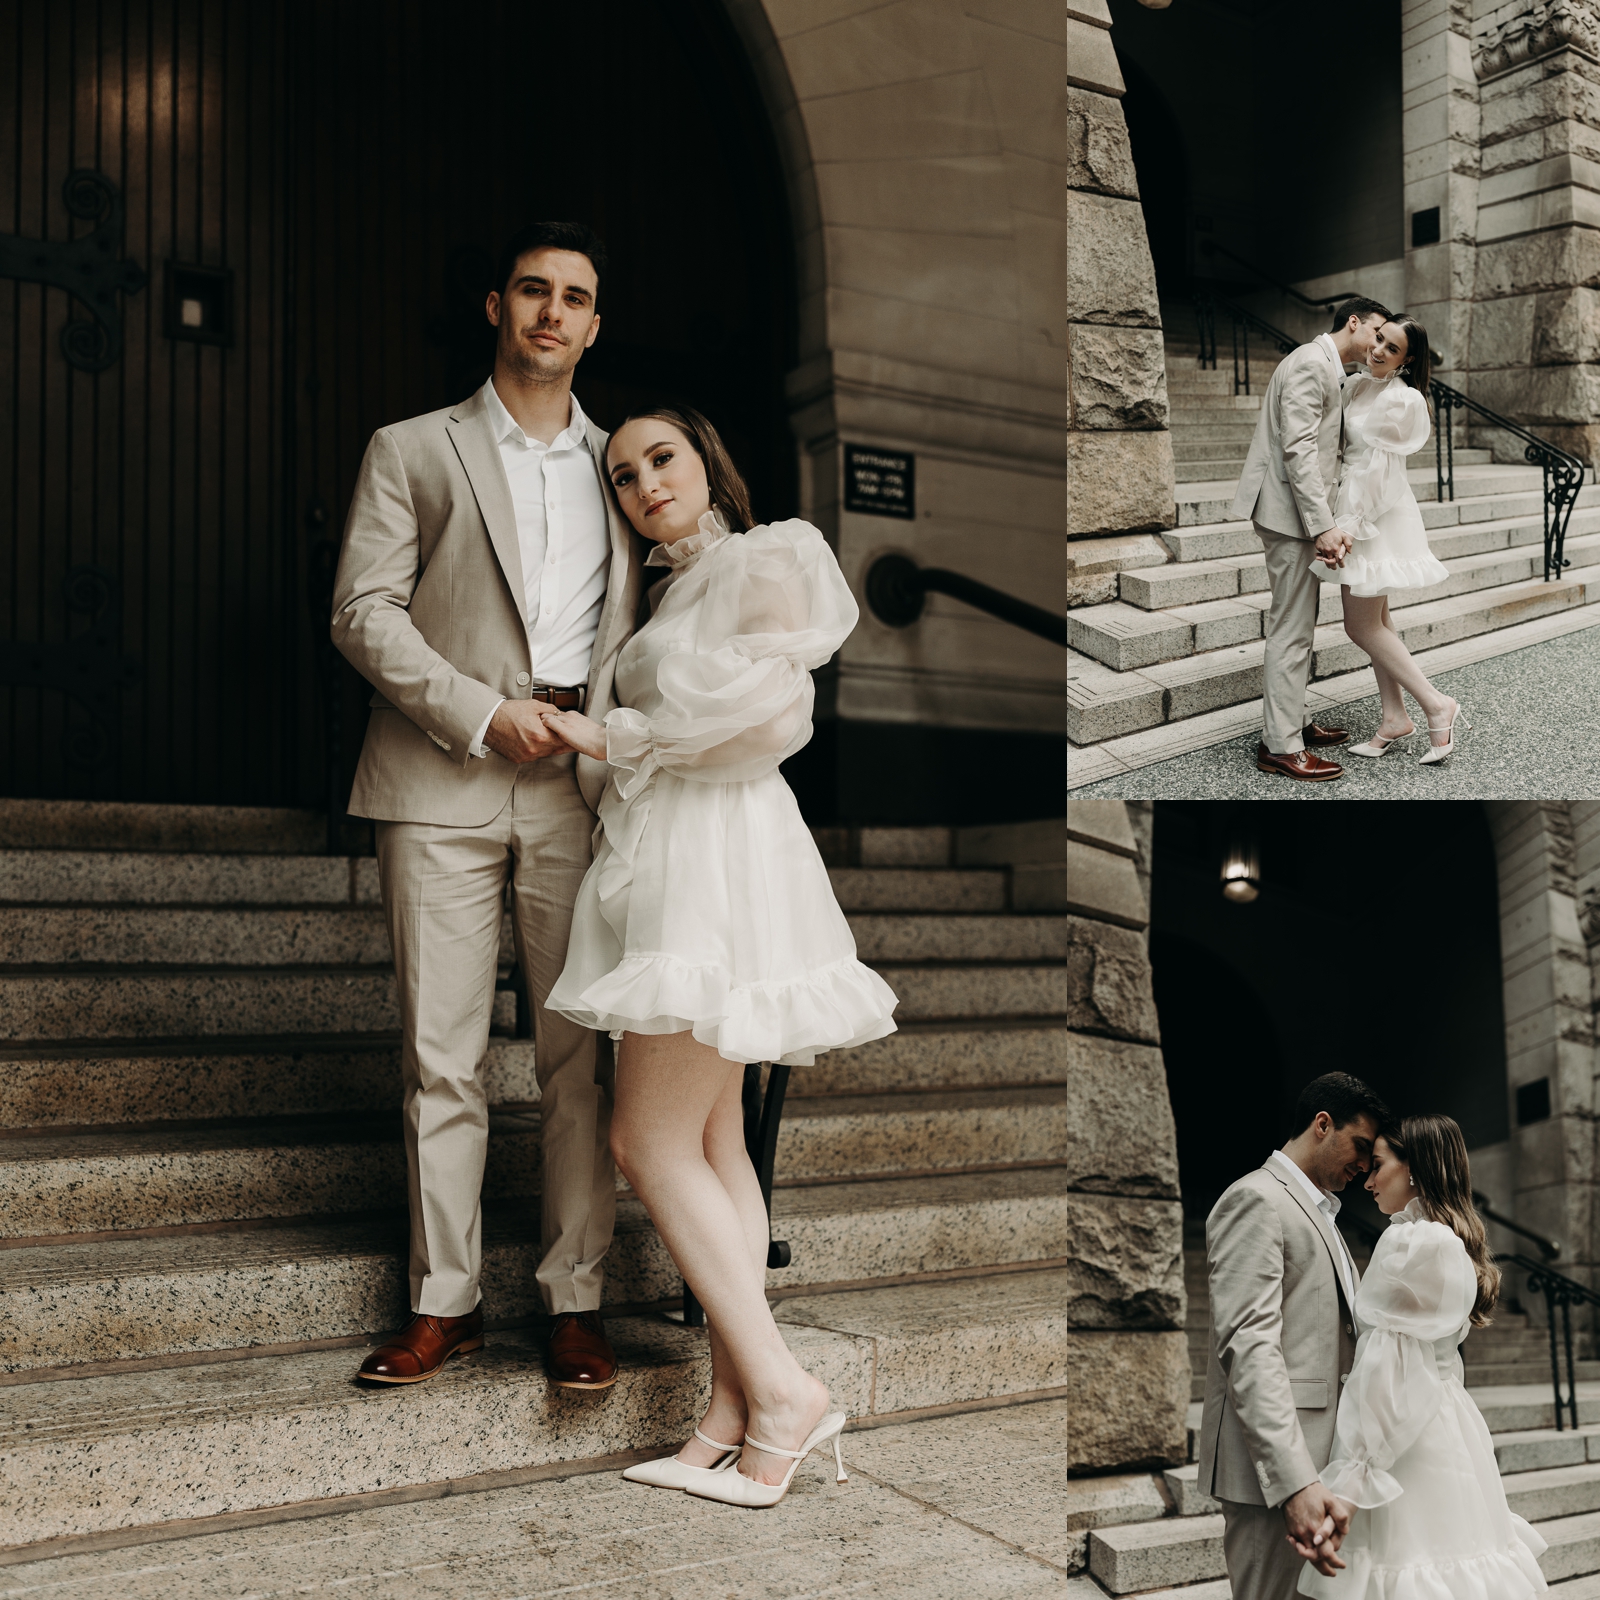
{"x": 1560, "y": 1293}
{"x": 1550, "y": 1249}
{"x": 896, "y": 586}
{"x": 1206, "y": 306}
{"x": 1564, "y": 472}
{"x": 1210, "y": 247}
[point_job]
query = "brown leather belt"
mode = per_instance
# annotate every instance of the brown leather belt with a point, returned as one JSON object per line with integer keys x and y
{"x": 561, "y": 699}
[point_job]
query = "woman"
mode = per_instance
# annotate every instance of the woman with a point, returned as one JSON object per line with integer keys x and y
{"x": 1385, "y": 421}
{"x": 1410, "y": 1449}
{"x": 706, "y": 934}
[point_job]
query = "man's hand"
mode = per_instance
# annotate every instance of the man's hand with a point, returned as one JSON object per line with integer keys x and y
{"x": 1333, "y": 546}
{"x": 1317, "y": 1522}
{"x": 517, "y": 732}
{"x": 579, "y": 732}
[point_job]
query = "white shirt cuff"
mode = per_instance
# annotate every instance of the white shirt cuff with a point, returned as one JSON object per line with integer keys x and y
{"x": 476, "y": 748}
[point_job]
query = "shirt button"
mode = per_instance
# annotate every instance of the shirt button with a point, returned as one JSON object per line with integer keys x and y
{"x": 523, "y": 680}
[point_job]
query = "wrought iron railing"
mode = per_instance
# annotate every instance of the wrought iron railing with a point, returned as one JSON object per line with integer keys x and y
{"x": 1564, "y": 472}
{"x": 1207, "y": 307}
{"x": 896, "y": 587}
{"x": 1550, "y": 1249}
{"x": 1327, "y": 303}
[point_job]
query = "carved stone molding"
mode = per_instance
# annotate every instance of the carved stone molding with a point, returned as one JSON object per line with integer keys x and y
{"x": 1519, "y": 33}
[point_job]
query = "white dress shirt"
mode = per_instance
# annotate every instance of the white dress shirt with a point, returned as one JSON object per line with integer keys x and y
{"x": 1328, "y": 1204}
{"x": 1331, "y": 351}
{"x": 564, "y": 542}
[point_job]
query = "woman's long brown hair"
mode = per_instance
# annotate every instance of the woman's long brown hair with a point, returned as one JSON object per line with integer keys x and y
{"x": 1437, "y": 1154}
{"x": 728, "y": 492}
{"x": 1417, "y": 368}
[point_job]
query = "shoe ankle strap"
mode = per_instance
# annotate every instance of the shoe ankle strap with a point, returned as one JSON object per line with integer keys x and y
{"x": 714, "y": 1443}
{"x": 774, "y": 1450}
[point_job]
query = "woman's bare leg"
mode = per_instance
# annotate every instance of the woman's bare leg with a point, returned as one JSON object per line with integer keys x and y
{"x": 1364, "y": 621}
{"x": 667, "y": 1088}
{"x": 1396, "y": 719}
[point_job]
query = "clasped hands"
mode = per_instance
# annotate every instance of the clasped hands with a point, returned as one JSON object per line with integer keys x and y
{"x": 1333, "y": 546}
{"x": 529, "y": 730}
{"x": 1317, "y": 1522}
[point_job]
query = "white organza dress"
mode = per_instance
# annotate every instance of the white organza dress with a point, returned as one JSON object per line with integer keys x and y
{"x": 707, "y": 906}
{"x": 1410, "y": 1448}
{"x": 1385, "y": 420}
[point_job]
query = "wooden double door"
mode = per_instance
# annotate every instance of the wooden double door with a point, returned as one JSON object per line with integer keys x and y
{"x": 236, "y": 239}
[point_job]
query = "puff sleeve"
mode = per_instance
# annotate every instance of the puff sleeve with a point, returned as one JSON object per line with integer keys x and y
{"x": 739, "y": 703}
{"x": 1419, "y": 1288}
{"x": 1396, "y": 427}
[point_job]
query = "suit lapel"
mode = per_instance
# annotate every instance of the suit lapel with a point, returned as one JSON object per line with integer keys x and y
{"x": 1322, "y": 1225}
{"x": 474, "y": 443}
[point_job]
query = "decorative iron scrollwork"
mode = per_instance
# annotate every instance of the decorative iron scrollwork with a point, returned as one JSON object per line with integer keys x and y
{"x": 89, "y": 667}
{"x": 91, "y": 269}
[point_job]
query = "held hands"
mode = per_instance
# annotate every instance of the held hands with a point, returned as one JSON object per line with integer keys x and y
{"x": 517, "y": 732}
{"x": 577, "y": 732}
{"x": 1317, "y": 1522}
{"x": 1333, "y": 546}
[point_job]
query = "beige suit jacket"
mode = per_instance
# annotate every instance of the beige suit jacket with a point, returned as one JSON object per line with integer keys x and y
{"x": 1293, "y": 466}
{"x": 426, "y": 608}
{"x": 1282, "y": 1341}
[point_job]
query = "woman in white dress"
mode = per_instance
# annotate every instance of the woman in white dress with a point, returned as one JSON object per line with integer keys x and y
{"x": 1411, "y": 1451}
{"x": 706, "y": 934}
{"x": 1385, "y": 421}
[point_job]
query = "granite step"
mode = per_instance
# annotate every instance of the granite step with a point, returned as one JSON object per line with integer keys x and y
{"x": 177, "y": 1175}
{"x": 184, "y": 1003}
{"x": 1535, "y": 1449}
{"x": 1554, "y": 1491}
{"x": 1532, "y": 1368}
{"x": 1136, "y": 1556}
{"x": 358, "y": 936}
{"x": 1574, "y": 1547}
{"x": 80, "y": 1085}
{"x": 142, "y": 1448}
{"x": 122, "y": 1299}
{"x": 1519, "y": 1408}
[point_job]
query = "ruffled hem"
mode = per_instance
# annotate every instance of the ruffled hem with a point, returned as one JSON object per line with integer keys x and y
{"x": 788, "y": 1021}
{"x": 1511, "y": 1573}
{"x": 1372, "y": 578}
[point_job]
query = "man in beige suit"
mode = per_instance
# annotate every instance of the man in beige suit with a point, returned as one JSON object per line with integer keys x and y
{"x": 1282, "y": 1341}
{"x": 487, "y": 576}
{"x": 1286, "y": 489}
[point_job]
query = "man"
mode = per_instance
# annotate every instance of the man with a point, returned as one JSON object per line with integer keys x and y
{"x": 486, "y": 575}
{"x": 1286, "y": 489}
{"x": 1282, "y": 1342}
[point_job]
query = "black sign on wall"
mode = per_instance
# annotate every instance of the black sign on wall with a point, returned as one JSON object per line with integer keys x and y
{"x": 880, "y": 482}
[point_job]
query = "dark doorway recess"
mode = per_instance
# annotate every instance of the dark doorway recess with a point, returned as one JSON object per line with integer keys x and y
{"x": 1161, "y": 161}
{"x": 1373, "y": 948}
{"x": 354, "y": 168}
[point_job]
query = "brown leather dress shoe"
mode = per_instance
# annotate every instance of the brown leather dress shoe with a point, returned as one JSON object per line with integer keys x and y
{"x": 578, "y": 1354}
{"x": 1315, "y": 734}
{"x": 1301, "y": 765}
{"x": 422, "y": 1347}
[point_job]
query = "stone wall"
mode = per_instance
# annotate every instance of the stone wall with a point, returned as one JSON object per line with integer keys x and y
{"x": 1128, "y": 1373}
{"x": 1119, "y": 453}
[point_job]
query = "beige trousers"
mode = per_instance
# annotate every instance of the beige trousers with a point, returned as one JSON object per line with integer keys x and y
{"x": 1261, "y": 1562}
{"x": 1291, "y": 626}
{"x": 443, "y": 896}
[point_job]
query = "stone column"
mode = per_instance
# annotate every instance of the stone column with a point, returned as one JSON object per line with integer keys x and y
{"x": 1128, "y": 1363}
{"x": 1440, "y": 122}
{"x": 1119, "y": 453}
{"x": 1536, "y": 321}
{"x": 1549, "y": 1011}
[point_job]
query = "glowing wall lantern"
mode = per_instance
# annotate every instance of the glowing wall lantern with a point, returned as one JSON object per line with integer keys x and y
{"x": 1241, "y": 873}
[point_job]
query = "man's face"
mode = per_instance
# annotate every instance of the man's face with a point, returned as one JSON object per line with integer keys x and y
{"x": 546, "y": 316}
{"x": 1344, "y": 1154}
{"x": 1364, "y": 334}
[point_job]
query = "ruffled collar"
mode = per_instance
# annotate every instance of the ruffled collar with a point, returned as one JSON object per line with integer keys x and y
{"x": 1412, "y": 1211}
{"x": 712, "y": 529}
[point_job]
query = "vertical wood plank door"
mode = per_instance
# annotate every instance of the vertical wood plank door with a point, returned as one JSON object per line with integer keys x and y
{"x": 341, "y": 175}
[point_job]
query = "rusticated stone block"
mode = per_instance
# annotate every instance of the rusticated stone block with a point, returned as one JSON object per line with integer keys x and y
{"x": 1124, "y": 1262}
{"x": 1108, "y": 981}
{"x": 1127, "y": 1394}
{"x": 1120, "y": 1136}
{"x": 1556, "y": 259}
{"x": 1119, "y": 377}
{"x": 1110, "y": 277}
{"x": 1104, "y": 886}
{"x": 1539, "y": 395}
{"x": 1098, "y": 155}
{"x": 1119, "y": 482}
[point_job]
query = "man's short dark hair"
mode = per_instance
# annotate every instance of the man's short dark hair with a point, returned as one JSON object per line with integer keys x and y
{"x": 1360, "y": 306}
{"x": 574, "y": 236}
{"x": 1343, "y": 1097}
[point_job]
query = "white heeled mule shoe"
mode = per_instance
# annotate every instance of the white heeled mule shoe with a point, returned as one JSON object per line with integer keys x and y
{"x": 1438, "y": 752}
{"x": 734, "y": 1489}
{"x": 1378, "y": 744}
{"x": 668, "y": 1472}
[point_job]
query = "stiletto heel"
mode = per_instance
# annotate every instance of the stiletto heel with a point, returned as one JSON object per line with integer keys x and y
{"x": 734, "y": 1489}
{"x": 1378, "y": 744}
{"x": 668, "y": 1472}
{"x": 1438, "y": 752}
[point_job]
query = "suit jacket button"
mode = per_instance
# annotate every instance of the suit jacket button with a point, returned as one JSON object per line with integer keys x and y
{"x": 523, "y": 680}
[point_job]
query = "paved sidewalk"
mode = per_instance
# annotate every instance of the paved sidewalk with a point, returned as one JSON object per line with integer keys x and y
{"x": 1535, "y": 735}
{"x": 957, "y": 1508}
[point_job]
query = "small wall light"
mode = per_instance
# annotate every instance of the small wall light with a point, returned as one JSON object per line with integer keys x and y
{"x": 1241, "y": 874}
{"x": 198, "y": 304}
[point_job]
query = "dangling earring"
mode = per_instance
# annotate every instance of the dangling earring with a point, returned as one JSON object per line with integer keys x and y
{"x": 1411, "y": 1183}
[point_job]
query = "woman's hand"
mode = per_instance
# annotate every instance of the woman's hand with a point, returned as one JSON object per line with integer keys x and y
{"x": 577, "y": 732}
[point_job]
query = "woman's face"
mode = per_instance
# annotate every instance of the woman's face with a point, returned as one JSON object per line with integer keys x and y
{"x": 1389, "y": 353}
{"x": 659, "y": 478}
{"x": 1389, "y": 1182}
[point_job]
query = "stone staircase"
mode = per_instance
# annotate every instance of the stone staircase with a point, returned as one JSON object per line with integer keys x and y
{"x": 1158, "y": 1535}
{"x": 205, "y": 1218}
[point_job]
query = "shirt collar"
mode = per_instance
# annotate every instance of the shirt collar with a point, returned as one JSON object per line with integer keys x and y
{"x": 505, "y": 425}
{"x": 1319, "y": 1196}
{"x": 1331, "y": 351}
